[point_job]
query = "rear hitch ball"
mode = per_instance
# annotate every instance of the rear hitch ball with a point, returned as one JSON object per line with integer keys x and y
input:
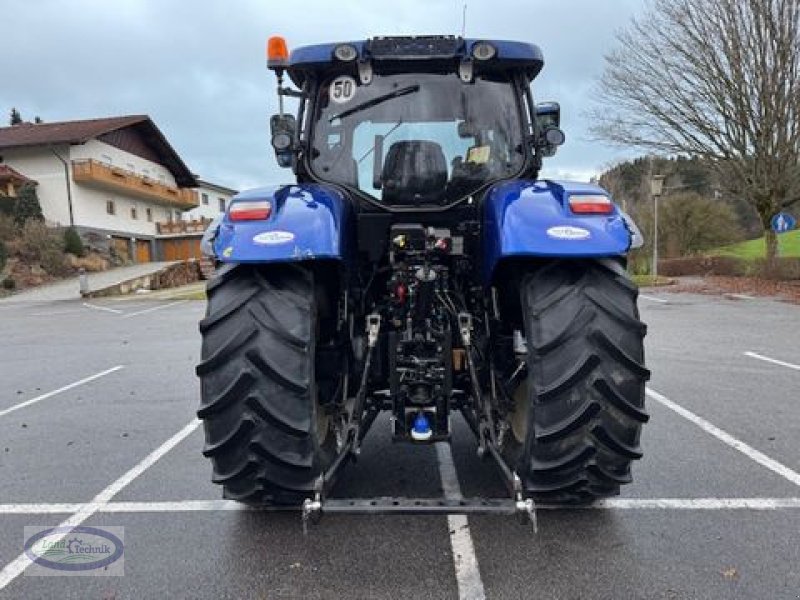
{"x": 421, "y": 429}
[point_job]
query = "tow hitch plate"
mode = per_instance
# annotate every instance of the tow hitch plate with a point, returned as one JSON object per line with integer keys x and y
{"x": 313, "y": 509}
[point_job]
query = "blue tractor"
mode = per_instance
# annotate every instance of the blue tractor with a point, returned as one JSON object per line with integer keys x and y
{"x": 419, "y": 268}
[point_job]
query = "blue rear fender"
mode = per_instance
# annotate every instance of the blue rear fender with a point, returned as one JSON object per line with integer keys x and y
{"x": 533, "y": 218}
{"x": 307, "y": 222}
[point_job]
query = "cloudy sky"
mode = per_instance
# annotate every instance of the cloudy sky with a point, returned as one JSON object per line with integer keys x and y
{"x": 198, "y": 68}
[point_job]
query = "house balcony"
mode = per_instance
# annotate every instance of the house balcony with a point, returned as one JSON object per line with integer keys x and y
{"x": 197, "y": 226}
{"x": 100, "y": 175}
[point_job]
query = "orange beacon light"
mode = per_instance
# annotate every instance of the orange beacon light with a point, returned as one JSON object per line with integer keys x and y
{"x": 277, "y": 53}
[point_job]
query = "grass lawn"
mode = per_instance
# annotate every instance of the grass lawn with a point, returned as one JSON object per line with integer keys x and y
{"x": 788, "y": 245}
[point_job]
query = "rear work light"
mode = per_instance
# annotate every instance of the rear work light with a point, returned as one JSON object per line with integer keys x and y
{"x": 255, "y": 210}
{"x": 591, "y": 205}
{"x": 483, "y": 51}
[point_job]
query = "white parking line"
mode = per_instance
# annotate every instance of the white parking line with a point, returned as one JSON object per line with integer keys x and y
{"x": 127, "y": 303}
{"x": 56, "y": 313}
{"x": 468, "y": 575}
{"x": 696, "y": 504}
{"x": 652, "y": 298}
{"x": 103, "y": 308}
{"x": 774, "y": 361}
{"x": 180, "y": 506}
{"x": 741, "y": 296}
{"x": 126, "y": 507}
{"x": 11, "y": 409}
{"x": 39, "y": 509}
{"x": 17, "y": 566}
{"x": 153, "y": 308}
{"x": 726, "y": 438}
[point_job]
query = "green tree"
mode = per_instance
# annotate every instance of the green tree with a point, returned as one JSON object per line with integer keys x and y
{"x": 628, "y": 182}
{"x": 27, "y": 205}
{"x": 72, "y": 242}
{"x": 690, "y": 224}
{"x": 15, "y": 118}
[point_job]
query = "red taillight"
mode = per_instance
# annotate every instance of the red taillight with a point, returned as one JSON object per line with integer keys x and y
{"x": 256, "y": 210}
{"x": 591, "y": 205}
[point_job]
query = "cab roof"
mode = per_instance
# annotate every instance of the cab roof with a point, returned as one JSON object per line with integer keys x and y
{"x": 306, "y": 61}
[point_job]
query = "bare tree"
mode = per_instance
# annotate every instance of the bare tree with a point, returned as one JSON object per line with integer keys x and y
{"x": 718, "y": 79}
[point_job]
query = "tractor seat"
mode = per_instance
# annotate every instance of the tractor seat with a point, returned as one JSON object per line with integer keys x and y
{"x": 414, "y": 172}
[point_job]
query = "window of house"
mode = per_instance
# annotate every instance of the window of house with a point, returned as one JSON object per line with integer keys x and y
{"x": 205, "y": 199}
{"x": 177, "y": 215}
{"x": 148, "y": 212}
{"x": 106, "y": 159}
{"x": 130, "y": 168}
{"x": 169, "y": 216}
{"x": 222, "y": 205}
{"x": 110, "y": 208}
{"x": 133, "y": 212}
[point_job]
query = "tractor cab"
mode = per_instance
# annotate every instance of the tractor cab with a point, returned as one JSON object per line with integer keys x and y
{"x": 420, "y": 122}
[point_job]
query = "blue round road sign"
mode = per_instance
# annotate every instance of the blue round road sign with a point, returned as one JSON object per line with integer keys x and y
{"x": 783, "y": 222}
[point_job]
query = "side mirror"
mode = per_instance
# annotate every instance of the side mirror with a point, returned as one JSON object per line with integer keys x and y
{"x": 283, "y": 128}
{"x": 548, "y": 114}
{"x": 548, "y": 121}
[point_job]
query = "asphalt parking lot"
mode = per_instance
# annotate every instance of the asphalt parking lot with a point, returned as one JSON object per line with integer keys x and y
{"x": 97, "y": 427}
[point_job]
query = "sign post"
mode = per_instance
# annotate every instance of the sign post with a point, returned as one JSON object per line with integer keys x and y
{"x": 781, "y": 223}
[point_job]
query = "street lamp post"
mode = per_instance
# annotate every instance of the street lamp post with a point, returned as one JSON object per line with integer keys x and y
{"x": 656, "y": 189}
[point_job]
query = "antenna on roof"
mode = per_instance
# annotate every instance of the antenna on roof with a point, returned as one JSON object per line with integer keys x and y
{"x": 464, "y": 20}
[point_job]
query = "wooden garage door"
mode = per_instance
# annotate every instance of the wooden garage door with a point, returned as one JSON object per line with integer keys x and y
{"x": 182, "y": 249}
{"x": 143, "y": 251}
{"x": 121, "y": 247}
{"x": 194, "y": 248}
{"x": 171, "y": 249}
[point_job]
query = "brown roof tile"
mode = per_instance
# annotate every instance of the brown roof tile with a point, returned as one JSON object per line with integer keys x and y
{"x": 79, "y": 132}
{"x": 64, "y": 132}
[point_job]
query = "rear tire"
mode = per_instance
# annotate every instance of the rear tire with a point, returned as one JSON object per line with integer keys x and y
{"x": 266, "y": 435}
{"x": 578, "y": 417}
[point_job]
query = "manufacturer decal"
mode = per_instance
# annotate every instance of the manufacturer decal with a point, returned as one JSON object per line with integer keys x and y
{"x": 568, "y": 232}
{"x": 271, "y": 238}
{"x": 227, "y": 252}
{"x": 343, "y": 88}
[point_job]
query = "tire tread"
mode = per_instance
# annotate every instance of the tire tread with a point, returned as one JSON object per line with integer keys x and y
{"x": 585, "y": 384}
{"x": 257, "y": 378}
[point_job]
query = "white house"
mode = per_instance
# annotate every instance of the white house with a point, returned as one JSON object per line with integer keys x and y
{"x": 213, "y": 200}
{"x": 113, "y": 179}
